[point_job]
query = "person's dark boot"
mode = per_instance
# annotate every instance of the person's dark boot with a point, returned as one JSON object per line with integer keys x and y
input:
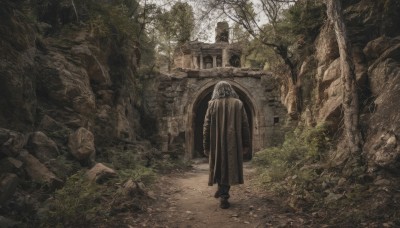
{"x": 224, "y": 204}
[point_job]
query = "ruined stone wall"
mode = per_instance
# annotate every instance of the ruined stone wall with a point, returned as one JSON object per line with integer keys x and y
{"x": 173, "y": 100}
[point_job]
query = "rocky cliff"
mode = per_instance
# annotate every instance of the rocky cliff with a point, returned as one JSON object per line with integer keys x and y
{"x": 65, "y": 91}
{"x": 375, "y": 46}
{"x": 375, "y": 41}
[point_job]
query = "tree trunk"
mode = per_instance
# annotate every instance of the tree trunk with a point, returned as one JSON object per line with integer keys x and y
{"x": 350, "y": 96}
{"x": 282, "y": 51}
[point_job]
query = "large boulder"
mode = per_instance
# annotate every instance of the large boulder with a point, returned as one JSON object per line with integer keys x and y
{"x": 383, "y": 132}
{"x": 37, "y": 171}
{"x": 326, "y": 45}
{"x": 375, "y": 48}
{"x": 332, "y": 73}
{"x": 99, "y": 173}
{"x": 42, "y": 146}
{"x": 384, "y": 70}
{"x": 387, "y": 150}
{"x": 66, "y": 83}
{"x": 331, "y": 88}
{"x": 97, "y": 72}
{"x": 81, "y": 144}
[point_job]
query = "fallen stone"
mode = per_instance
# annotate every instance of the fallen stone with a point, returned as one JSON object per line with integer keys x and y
{"x": 332, "y": 197}
{"x": 39, "y": 172}
{"x": 151, "y": 195}
{"x": 42, "y": 146}
{"x": 387, "y": 153}
{"x": 81, "y": 144}
{"x": 341, "y": 181}
{"x": 100, "y": 173}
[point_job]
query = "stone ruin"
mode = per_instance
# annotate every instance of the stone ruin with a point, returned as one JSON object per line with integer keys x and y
{"x": 179, "y": 100}
{"x": 198, "y": 55}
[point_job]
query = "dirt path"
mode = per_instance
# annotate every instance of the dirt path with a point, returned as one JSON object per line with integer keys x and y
{"x": 185, "y": 200}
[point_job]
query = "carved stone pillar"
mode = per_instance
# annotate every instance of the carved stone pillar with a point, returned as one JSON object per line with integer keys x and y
{"x": 201, "y": 61}
{"x": 225, "y": 57}
{"x": 194, "y": 62}
{"x": 214, "y": 61}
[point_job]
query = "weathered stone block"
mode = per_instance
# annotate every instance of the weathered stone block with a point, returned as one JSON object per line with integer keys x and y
{"x": 37, "y": 171}
{"x": 42, "y": 146}
{"x": 99, "y": 173}
{"x": 81, "y": 144}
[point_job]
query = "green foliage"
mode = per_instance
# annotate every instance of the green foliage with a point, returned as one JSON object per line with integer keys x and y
{"x": 289, "y": 34}
{"x": 81, "y": 203}
{"x": 111, "y": 24}
{"x": 304, "y": 19}
{"x": 172, "y": 29}
{"x": 59, "y": 134}
{"x": 64, "y": 167}
{"x": 182, "y": 21}
{"x": 139, "y": 173}
{"x": 307, "y": 144}
{"x": 282, "y": 168}
{"x": 76, "y": 204}
{"x": 296, "y": 171}
{"x": 114, "y": 21}
{"x": 122, "y": 159}
{"x": 239, "y": 35}
{"x": 293, "y": 169}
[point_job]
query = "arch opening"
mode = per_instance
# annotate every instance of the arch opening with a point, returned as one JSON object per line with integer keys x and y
{"x": 234, "y": 61}
{"x": 199, "y": 112}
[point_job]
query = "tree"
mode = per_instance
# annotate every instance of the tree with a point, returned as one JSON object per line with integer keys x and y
{"x": 174, "y": 28}
{"x": 164, "y": 29}
{"x": 350, "y": 96}
{"x": 238, "y": 34}
{"x": 253, "y": 21}
{"x": 182, "y": 21}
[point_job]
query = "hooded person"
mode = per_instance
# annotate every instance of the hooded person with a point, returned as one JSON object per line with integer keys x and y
{"x": 226, "y": 138}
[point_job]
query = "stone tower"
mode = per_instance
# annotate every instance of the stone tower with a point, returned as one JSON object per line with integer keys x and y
{"x": 222, "y": 32}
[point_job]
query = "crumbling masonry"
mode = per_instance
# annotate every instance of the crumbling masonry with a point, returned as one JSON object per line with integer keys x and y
{"x": 179, "y": 100}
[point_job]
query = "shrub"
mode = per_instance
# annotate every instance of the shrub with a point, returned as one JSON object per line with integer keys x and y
{"x": 139, "y": 174}
{"x": 77, "y": 204}
{"x": 301, "y": 147}
{"x": 81, "y": 203}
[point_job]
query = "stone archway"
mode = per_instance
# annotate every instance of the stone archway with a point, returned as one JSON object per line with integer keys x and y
{"x": 196, "y": 114}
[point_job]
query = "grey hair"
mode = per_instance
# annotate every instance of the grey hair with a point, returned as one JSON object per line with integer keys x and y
{"x": 222, "y": 90}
